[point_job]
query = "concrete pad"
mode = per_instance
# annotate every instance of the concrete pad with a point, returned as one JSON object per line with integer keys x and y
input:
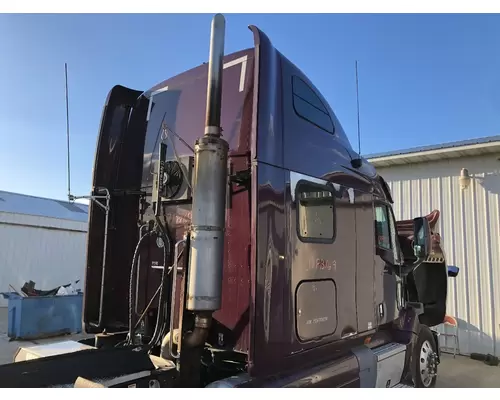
{"x": 462, "y": 372}
{"x": 8, "y": 348}
{"x": 459, "y": 372}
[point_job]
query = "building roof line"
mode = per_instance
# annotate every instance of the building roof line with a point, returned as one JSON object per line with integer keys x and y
{"x": 450, "y": 146}
{"x": 16, "y": 203}
{"x": 35, "y": 197}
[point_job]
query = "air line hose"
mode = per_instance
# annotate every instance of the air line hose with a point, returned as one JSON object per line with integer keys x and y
{"x": 131, "y": 284}
{"x": 161, "y": 300}
{"x": 159, "y": 230}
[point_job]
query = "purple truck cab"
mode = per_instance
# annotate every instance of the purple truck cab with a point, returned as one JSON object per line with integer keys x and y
{"x": 319, "y": 285}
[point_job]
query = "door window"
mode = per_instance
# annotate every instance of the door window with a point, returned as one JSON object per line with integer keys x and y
{"x": 382, "y": 228}
{"x": 385, "y": 231}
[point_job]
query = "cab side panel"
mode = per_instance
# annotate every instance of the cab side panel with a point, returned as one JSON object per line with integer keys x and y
{"x": 287, "y": 333}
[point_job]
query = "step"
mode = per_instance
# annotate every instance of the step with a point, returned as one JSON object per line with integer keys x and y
{"x": 388, "y": 350}
{"x": 390, "y": 364}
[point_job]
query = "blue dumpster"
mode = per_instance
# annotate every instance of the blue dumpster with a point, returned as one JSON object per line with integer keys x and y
{"x": 43, "y": 316}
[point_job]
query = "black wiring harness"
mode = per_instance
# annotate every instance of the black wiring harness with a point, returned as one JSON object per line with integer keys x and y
{"x": 160, "y": 327}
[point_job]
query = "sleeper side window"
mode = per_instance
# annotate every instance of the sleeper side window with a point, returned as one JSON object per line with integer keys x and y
{"x": 309, "y": 106}
{"x": 315, "y": 212}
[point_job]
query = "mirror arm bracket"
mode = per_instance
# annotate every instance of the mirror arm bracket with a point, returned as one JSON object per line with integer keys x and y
{"x": 407, "y": 269}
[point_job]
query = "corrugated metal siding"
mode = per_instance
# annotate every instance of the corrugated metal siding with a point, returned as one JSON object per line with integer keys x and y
{"x": 49, "y": 251}
{"x": 43, "y": 222}
{"x": 470, "y": 229}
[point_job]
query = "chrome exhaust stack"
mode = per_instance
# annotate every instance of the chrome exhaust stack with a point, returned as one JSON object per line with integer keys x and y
{"x": 215, "y": 68}
{"x": 206, "y": 253}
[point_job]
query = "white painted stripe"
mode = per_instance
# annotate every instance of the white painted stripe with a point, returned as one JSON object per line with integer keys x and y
{"x": 150, "y": 105}
{"x": 243, "y": 61}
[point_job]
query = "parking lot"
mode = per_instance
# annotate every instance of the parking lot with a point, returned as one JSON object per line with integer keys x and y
{"x": 462, "y": 372}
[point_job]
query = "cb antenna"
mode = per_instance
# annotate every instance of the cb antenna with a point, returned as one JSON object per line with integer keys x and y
{"x": 70, "y": 197}
{"x": 357, "y": 103}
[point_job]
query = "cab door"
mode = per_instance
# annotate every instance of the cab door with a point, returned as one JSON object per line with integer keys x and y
{"x": 365, "y": 262}
{"x": 323, "y": 229}
{"x": 387, "y": 259}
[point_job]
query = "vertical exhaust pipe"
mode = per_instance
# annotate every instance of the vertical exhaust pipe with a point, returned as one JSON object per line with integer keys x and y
{"x": 215, "y": 68}
{"x": 204, "y": 291}
{"x": 208, "y": 220}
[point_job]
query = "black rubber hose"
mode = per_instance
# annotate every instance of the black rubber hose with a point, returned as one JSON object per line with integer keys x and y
{"x": 163, "y": 232}
{"x": 141, "y": 317}
{"x": 146, "y": 309}
{"x": 160, "y": 230}
{"x": 160, "y": 327}
{"x": 161, "y": 301}
{"x": 131, "y": 285}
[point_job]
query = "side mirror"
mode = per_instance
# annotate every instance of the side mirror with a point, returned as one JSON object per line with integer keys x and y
{"x": 453, "y": 271}
{"x": 421, "y": 237}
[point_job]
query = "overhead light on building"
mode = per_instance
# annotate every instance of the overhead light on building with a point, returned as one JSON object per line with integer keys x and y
{"x": 464, "y": 179}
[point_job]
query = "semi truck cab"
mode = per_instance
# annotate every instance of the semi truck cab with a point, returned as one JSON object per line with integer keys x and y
{"x": 236, "y": 239}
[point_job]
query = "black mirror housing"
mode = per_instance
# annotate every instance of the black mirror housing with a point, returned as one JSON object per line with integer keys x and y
{"x": 453, "y": 271}
{"x": 421, "y": 237}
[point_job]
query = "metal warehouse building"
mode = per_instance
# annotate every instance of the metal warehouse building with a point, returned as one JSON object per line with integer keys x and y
{"x": 42, "y": 240}
{"x": 428, "y": 178}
